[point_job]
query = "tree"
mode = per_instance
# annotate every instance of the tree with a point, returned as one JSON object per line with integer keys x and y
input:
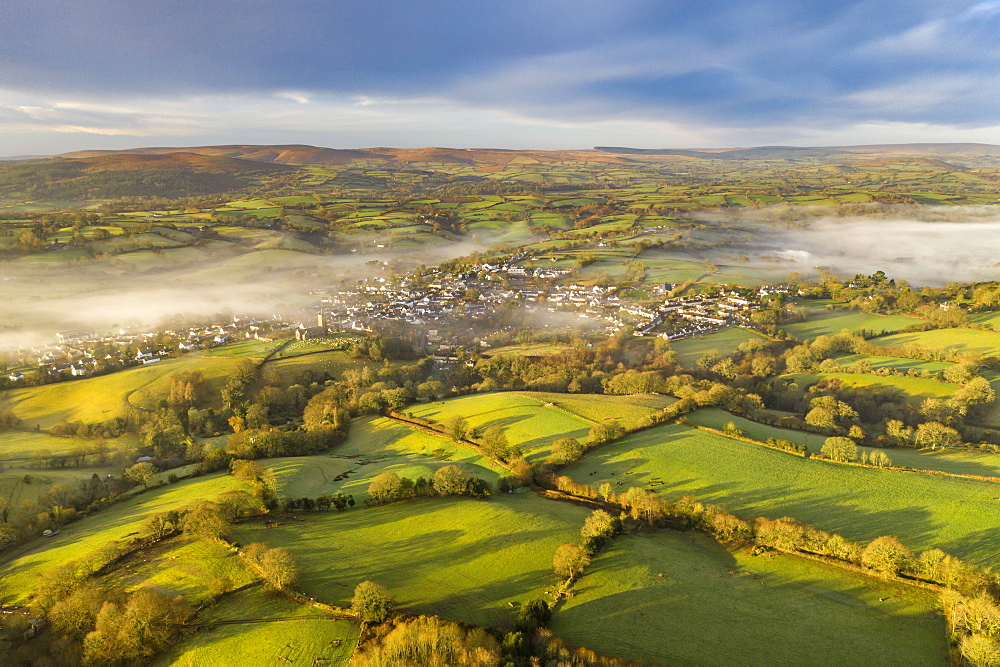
{"x": 141, "y": 473}
{"x": 886, "y": 555}
{"x": 570, "y": 560}
{"x": 605, "y": 432}
{"x": 371, "y": 602}
{"x": 206, "y": 521}
{"x": 839, "y": 449}
{"x": 597, "y": 528}
{"x": 980, "y": 651}
{"x": 132, "y": 631}
{"x": 533, "y": 614}
{"x": 934, "y": 435}
{"x": 279, "y": 568}
{"x": 567, "y": 450}
{"x": 451, "y": 481}
{"x": 387, "y": 487}
{"x": 457, "y": 427}
{"x": 495, "y": 443}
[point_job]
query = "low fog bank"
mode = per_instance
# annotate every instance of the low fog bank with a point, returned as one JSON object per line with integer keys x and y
{"x": 928, "y": 248}
{"x": 36, "y": 303}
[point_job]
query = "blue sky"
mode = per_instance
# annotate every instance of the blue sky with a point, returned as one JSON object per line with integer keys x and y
{"x": 80, "y": 74}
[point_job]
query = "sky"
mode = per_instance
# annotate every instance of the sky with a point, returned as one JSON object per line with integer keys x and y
{"x": 547, "y": 74}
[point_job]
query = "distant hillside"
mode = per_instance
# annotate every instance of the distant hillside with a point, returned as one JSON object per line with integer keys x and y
{"x": 297, "y": 154}
{"x": 798, "y": 152}
{"x": 115, "y": 175}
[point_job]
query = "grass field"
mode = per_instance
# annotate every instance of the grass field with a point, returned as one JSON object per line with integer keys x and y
{"x": 462, "y": 559}
{"x": 923, "y": 510}
{"x": 528, "y": 422}
{"x": 896, "y": 363}
{"x": 957, "y": 462}
{"x": 823, "y": 322}
{"x": 104, "y": 397}
{"x": 374, "y": 445}
{"x": 953, "y": 341}
{"x": 287, "y": 633}
{"x": 681, "y": 598}
{"x": 21, "y": 444}
{"x": 916, "y": 388}
{"x": 725, "y": 342}
{"x": 181, "y": 566}
{"x": 22, "y": 569}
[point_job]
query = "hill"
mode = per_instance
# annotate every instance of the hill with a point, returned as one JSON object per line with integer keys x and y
{"x": 114, "y": 175}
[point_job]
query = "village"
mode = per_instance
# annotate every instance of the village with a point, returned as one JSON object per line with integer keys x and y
{"x": 449, "y": 309}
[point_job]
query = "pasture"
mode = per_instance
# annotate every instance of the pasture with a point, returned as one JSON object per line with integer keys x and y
{"x": 681, "y": 598}
{"x": 923, "y": 510}
{"x": 374, "y": 445}
{"x": 529, "y": 423}
{"x": 955, "y": 462}
{"x": 947, "y": 341}
{"x": 725, "y": 342}
{"x": 274, "y": 631}
{"x": 21, "y": 570}
{"x": 916, "y": 388}
{"x": 459, "y": 558}
{"x": 827, "y": 322}
{"x": 182, "y": 566}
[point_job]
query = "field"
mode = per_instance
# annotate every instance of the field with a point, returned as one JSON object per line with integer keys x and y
{"x": 374, "y": 445}
{"x": 826, "y": 322}
{"x": 923, "y": 510}
{"x": 901, "y": 364}
{"x": 681, "y": 598}
{"x": 953, "y": 341}
{"x": 181, "y": 566}
{"x": 462, "y": 559}
{"x": 725, "y": 342}
{"x": 21, "y": 444}
{"x": 916, "y": 388}
{"x": 104, "y": 397}
{"x": 278, "y": 632}
{"x": 22, "y": 569}
{"x": 956, "y": 462}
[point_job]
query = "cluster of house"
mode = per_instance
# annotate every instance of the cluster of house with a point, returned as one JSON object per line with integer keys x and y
{"x": 83, "y": 353}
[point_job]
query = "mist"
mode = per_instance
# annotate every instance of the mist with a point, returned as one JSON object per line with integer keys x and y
{"x": 959, "y": 246}
{"x": 36, "y": 302}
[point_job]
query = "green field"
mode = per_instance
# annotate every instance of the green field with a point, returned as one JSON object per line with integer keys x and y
{"x": 181, "y": 566}
{"x": 681, "y": 598}
{"x": 895, "y": 363}
{"x": 923, "y": 510}
{"x": 280, "y": 632}
{"x": 374, "y": 445}
{"x": 104, "y": 397}
{"x": 462, "y": 559}
{"x": 826, "y": 322}
{"x": 952, "y": 341}
{"x": 725, "y": 342}
{"x": 917, "y": 388}
{"x": 22, "y": 570}
{"x": 956, "y": 462}
{"x": 21, "y": 444}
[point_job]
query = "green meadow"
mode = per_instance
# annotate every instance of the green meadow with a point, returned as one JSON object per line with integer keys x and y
{"x": 460, "y": 558}
{"x": 923, "y": 510}
{"x": 916, "y": 388}
{"x": 725, "y": 342}
{"x": 681, "y": 598}
{"x": 23, "y": 568}
{"x": 253, "y": 628}
{"x": 955, "y": 462}
{"x": 827, "y": 322}
{"x": 950, "y": 341}
{"x": 375, "y": 445}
